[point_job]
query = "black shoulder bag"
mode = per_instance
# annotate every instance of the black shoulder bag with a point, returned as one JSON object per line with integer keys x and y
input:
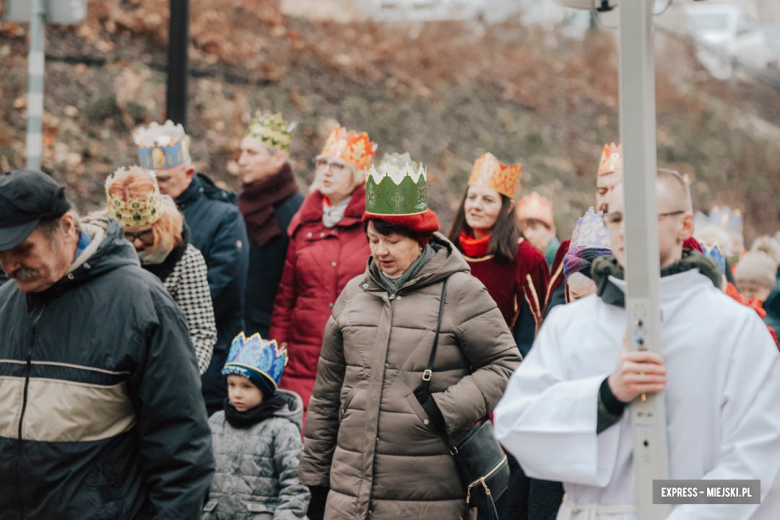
{"x": 481, "y": 461}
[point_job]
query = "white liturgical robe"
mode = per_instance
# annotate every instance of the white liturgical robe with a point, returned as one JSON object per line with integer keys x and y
{"x": 722, "y": 402}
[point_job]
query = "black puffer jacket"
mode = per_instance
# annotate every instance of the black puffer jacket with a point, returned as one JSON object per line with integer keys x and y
{"x": 219, "y": 233}
{"x": 101, "y": 416}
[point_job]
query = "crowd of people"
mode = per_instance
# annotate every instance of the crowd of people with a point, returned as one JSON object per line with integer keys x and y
{"x": 189, "y": 352}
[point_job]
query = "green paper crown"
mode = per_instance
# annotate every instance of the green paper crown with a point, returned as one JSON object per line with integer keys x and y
{"x": 272, "y": 130}
{"x": 397, "y": 187}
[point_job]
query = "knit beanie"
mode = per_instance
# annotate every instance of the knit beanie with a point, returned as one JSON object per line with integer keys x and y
{"x": 768, "y": 245}
{"x": 757, "y": 266}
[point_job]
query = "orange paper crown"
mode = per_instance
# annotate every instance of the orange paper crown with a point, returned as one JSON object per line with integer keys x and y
{"x": 611, "y": 159}
{"x": 353, "y": 148}
{"x": 490, "y": 173}
{"x": 534, "y": 206}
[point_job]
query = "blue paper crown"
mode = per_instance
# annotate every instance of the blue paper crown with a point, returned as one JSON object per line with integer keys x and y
{"x": 727, "y": 219}
{"x": 161, "y": 147}
{"x": 714, "y": 252}
{"x": 590, "y": 232}
{"x": 255, "y": 355}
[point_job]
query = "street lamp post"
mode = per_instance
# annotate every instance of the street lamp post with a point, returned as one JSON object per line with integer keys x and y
{"x": 178, "y": 64}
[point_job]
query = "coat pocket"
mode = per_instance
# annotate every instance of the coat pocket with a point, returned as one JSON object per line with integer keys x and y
{"x": 347, "y": 401}
{"x": 419, "y": 411}
{"x": 260, "y": 511}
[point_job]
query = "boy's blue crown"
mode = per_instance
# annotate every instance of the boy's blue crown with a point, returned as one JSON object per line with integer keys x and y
{"x": 251, "y": 356}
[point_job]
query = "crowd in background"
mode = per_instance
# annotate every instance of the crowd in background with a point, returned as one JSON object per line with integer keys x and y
{"x": 344, "y": 345}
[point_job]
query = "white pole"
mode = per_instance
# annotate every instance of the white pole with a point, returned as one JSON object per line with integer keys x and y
{"x": 35, "y": 85}
{"x": 637, "y": 125}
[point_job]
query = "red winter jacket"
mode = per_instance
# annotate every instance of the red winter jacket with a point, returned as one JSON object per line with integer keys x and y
{"x": 320, "y": 262}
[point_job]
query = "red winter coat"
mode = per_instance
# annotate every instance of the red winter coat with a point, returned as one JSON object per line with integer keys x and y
{"x": 320, "y": 262}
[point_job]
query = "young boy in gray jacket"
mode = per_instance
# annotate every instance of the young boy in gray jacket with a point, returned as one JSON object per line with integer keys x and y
{"x": 257, "y": 439}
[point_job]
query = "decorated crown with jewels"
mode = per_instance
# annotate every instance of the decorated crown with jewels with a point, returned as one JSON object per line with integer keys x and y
{"x": 611, "y": 159}
{"x": 537, "y": 207}
{"x": 356, "y": 149}
{"x": 590, "y": 232}
{"x": 161, "y": 147}
{"x": 491, "y": 173}
{"x": 398, "y": 186}
{"x": 134, "y": 213}
{"x": 256, "y": 355}
{"x": 272, "y": 130}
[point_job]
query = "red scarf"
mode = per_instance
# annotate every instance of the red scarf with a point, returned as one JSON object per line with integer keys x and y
{"x": 257, "y": 204}
{"x": 474, "y": 247}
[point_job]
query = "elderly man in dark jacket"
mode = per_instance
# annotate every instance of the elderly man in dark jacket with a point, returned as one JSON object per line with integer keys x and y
{"x": 100, "y": 412}
{"x": 218, "y": 231}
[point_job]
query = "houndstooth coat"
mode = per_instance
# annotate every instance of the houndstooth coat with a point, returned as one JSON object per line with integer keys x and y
{"x": 188, "y": 285}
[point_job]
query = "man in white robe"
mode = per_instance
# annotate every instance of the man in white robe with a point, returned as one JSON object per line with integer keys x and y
{"x": 565, "y": 416}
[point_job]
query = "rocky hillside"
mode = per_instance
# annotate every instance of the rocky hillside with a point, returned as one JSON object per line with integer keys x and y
{"x": 444, "y": 92}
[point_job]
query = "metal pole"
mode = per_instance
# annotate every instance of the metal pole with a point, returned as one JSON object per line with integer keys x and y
{"x": 178, "y": 41}
{"x": 637, "y": 125}
{"x": 35, "y": 85}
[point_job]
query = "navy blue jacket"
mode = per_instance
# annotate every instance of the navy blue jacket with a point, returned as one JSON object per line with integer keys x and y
{"x": 218, "y": 231}
{"x": 266, "y": 264}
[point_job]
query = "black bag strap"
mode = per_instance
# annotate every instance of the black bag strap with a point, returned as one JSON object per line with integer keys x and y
{"x": 428, "y": 374}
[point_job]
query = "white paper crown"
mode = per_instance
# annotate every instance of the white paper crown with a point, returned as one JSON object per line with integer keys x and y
{"x": 397, "y": 167}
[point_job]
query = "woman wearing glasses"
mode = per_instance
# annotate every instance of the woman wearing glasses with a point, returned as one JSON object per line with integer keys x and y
{"x": 156, "y": 228}
{"x": 327, "y": 249}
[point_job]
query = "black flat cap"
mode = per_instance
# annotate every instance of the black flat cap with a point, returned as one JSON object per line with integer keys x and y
{"x": 26, "y": 198}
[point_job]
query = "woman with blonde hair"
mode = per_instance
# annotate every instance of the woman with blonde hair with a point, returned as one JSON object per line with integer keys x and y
{"x": 156, "y": 228}
{"x": 327, "y": 249}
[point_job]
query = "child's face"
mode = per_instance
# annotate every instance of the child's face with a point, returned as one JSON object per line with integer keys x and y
{"x": 243, "y": 394}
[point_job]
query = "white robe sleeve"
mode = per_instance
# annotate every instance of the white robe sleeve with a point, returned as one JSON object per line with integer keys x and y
{"x": 548, "y": 422}
{"x": 750, "y": 424}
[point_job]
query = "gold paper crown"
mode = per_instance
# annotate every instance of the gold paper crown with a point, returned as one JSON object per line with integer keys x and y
{"x": 534, "y": 206}
{"x": 491, "y": 173}
{"x": 353, "y": 148}
{"x": 611, "y": 159}
{"x": 134, "y": 213}
{"x": 271, "y": 130}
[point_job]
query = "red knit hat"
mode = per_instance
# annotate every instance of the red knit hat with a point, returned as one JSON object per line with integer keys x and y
{"x": 423, "y": 225}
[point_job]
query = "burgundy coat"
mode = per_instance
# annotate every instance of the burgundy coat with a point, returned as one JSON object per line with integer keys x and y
{"x": 517, "y": 284}
{"x": 320, "y": 262}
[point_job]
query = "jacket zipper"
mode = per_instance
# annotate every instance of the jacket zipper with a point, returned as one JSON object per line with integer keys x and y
{"x": 28, "y": 373}
{"x": 481, "y": 480}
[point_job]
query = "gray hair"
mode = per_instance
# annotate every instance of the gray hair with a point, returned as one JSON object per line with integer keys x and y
{"x": 50, "y": 226}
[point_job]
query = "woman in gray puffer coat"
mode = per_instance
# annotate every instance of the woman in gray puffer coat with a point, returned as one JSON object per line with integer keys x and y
{"x": 372, "y": 447}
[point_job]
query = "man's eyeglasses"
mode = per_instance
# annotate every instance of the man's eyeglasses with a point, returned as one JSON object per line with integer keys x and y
{"x": 336, "y": 167}
{"x": 613, "y": 220}
{"x": 146, "y": 237}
